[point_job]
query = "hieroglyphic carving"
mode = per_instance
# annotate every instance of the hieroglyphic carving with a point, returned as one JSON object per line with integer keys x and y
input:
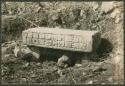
{"x": 75, "y": 42}
{"x": 56, "y": 40}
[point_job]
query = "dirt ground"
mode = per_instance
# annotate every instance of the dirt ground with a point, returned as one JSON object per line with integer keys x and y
{"x": 72, "y": 15}
{"x": 16, "y": 70}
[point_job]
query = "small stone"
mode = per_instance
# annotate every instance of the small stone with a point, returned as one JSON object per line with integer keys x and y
{"x": 60, "y": 72}
{"x": 95, "y": 6}
{"x": 90, "y": 82}
{"x": 38, "y": 64}
{"x": 64, "y": 61}
{"x": 78, "y": 65}
{"x": 25, "y": 53}
{"x": 111, "y": 55}
{"x": 36, "y": 55}
{"x": 23, "y": 79}
{"x": 16, "y": 50}
{"x": 103, "y": 83}
{"x": 66, "y": 65}
{"x": 26, "y": 65}
{"x": 35, "y": 52}
{"x": 55, "y": 68}
{"x": 33, "y": 75}
{"x": 84, "y": 73}
{"x": 117, "y": 20}
{"x": 110, "y": 79}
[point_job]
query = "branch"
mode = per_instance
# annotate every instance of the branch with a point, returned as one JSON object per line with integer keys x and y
{"x": 29, "y": 21}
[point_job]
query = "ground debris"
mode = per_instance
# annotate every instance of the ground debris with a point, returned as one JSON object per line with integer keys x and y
{"x": 73, "y": 15}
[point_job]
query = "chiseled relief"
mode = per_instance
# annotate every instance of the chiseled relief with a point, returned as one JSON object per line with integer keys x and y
{"x": 61, "y": 41}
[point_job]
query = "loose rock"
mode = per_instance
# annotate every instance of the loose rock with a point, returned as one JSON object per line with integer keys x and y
{"x": 25, "y": 53}
{"x": 110, "y": 79}
{"x": 64, "y": 61}
{"x": 90, "y": 82}
{"x": 107, "y": 6}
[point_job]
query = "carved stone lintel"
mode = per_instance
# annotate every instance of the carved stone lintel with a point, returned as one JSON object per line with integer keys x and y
{"x": 66, "y": 39}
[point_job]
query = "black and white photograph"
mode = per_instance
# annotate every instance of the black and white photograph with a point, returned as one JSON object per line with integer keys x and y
{"x": 62, "y": 42}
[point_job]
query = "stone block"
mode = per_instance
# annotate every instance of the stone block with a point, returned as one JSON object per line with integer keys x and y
{"x": 65, "y": 39}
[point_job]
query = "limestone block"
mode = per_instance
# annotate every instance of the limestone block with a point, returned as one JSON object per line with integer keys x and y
{"x": 66, "y": 39}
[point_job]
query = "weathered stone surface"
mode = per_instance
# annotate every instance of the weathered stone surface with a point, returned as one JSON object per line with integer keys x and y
{"x": 74, "y": 40}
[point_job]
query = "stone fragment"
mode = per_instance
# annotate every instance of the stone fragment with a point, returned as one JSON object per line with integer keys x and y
{"x": 90, "y": 82}
{"x": 26, "y": 53}
{"x": 60, "y": 72}
{"x": 110, "y": 79}
{"x": 35, "y": 51}
{"x": 107, "y": 6}
{"x": 64, "y": 61}
{"x": 95, "y": 6}
{"x": 25, "y": 65}
{"x": 38, "y": 64}
{"x": 78, "y": 65}
{"x": 66, "y": 39}
{"x": 23, "y": 80}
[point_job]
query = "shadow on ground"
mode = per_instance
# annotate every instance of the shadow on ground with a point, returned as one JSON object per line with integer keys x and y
{"x": 102, "y": 52}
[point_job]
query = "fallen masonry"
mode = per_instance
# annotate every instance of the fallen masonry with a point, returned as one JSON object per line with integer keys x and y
{"x": 64, "y": 39}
